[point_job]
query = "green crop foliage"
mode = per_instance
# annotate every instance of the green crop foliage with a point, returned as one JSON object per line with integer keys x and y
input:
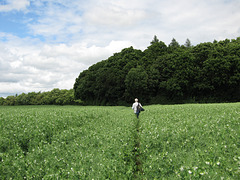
{"x": 197, "y": 141}
{"x": 50, "y": 142}
{"x": 191, "y": 142}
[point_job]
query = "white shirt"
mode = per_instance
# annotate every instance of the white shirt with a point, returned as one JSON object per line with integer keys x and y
{"x": 134, "y": 106}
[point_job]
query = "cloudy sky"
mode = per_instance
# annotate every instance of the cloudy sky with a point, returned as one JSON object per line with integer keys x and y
{"x": 45, "y": 44}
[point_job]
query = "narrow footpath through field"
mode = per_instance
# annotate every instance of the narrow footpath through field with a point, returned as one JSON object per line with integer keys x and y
{"x": 136, "y": 151}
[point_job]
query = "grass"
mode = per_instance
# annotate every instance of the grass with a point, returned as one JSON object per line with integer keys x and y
{"x": 197, "y": 141}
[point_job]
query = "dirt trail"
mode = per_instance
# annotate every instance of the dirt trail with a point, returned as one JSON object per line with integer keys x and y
{"x": 136, "y": 152}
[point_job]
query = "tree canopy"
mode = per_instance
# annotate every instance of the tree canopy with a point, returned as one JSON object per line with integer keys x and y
{"x": 207, "y": 72}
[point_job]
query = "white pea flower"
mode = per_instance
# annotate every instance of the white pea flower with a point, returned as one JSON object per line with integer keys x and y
{"x": 181, "y": 168}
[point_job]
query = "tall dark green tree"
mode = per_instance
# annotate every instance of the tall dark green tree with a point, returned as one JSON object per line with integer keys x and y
{"x": 173, "y": 46}
{"x": 188, "y": 43}
{"x": 155, "y": 40}
{"x": 136, "y": 84}
{"x": 174, "y": 43}
{"x": 104, "y": 83}
{"x": 155, "y": 50}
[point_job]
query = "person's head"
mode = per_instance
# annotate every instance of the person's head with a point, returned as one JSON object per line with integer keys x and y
{"x": 136, "y": 100}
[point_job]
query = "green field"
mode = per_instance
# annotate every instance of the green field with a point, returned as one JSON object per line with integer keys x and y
{"x": 193, "y": 141}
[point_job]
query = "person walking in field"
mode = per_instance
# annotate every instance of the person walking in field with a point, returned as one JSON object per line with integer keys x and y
{"x": 137, "y": 107}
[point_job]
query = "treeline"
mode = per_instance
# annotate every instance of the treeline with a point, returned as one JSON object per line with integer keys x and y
{"x": 207, "y": 72}
{"x": 54, "y": 97}
{"x": 161, "y": 74}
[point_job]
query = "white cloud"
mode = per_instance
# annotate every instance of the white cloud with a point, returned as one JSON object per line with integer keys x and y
{"x": 74, "y": 35}
{"x": 10, "y": 5}
{"x": 57, "y": 20}
{"x": 113, "y": 15}
{"x": 57, "y": 24}
{"x": 98, "y": 22}
{"x": 28, "y": 68}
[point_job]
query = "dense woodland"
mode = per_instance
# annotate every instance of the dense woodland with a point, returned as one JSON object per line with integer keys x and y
{"x": 161, "y": 74}
{"x": 207, "y": 72}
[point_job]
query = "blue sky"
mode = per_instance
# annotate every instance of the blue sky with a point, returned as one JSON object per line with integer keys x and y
{"x": 45, "y": 44}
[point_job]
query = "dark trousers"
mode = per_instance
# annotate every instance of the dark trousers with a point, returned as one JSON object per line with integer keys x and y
{"x": 137, "y": 114}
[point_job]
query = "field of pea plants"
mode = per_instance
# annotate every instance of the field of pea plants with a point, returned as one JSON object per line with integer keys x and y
{"x": 191, "y": 141}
